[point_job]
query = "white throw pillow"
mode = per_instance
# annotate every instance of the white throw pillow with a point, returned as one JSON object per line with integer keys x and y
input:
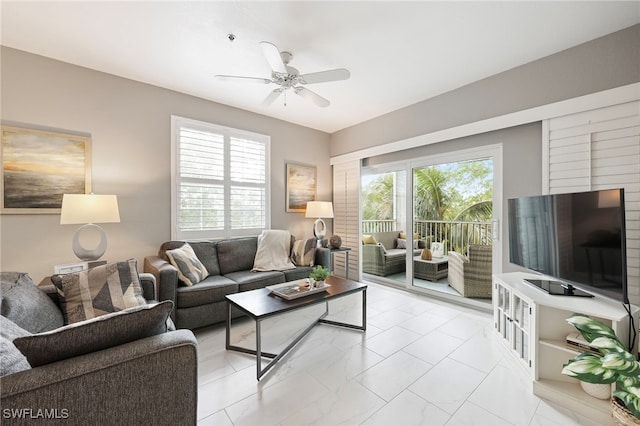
{"x": 190, "y": 270}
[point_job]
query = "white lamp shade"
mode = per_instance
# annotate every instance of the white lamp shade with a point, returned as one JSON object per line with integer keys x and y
{"x": 89, "y": 208}
{"x": 319, "y": 209}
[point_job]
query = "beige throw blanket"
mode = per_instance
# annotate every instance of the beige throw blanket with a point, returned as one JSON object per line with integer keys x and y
{"x": 273, "y": 251}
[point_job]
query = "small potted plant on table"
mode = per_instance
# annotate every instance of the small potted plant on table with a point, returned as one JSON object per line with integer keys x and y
{"x": 612, "y": 364}
{"x": 318, "y": 275}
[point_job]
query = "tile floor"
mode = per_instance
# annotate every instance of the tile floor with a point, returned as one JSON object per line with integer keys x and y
{"x": 421, "y": 362}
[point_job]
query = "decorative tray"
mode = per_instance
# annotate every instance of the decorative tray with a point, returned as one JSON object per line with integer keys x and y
{"x": 295, "y": 289}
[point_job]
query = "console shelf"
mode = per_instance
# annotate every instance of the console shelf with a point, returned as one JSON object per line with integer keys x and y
{"x": 532, "y": 325}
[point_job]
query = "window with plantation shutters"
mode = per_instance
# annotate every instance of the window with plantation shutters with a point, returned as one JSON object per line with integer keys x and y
{"x": 220, "y": 181}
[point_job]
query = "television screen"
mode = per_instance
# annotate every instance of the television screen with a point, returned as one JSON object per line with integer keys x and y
{"x": 578, "y": 238}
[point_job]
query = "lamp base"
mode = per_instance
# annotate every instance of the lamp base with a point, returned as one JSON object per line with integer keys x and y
{"x": 85, "y": 253}
{"x": 319, "y": 229}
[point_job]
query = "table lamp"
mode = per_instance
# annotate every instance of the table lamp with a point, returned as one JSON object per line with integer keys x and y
{"x": 89, "y": 209}
{"x": 319, "y": 210}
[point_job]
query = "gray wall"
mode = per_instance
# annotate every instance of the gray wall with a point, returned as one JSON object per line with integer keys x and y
{"x": 129, "y": 123}
{"x": 604, "y": 63}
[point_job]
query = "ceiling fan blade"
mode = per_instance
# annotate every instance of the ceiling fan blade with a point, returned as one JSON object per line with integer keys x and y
{"x": 272, "y": 54}
{"x": 247, "y": 79}
{"x": 324, "y": 76}
{"x": 272, "y": 97}
{"x": 312, "y": 96}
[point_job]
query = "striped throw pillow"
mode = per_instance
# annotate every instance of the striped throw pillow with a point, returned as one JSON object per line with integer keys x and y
{"x": 304, "y": 252}
{"x": 190, "y": 270}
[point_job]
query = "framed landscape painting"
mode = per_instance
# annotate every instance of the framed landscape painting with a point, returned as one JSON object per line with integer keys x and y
{"x": 38, "y": 167}
{"x": 301, "y": 187}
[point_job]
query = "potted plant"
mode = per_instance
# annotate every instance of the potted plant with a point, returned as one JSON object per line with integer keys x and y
{"x": 612, "y": 363}
{"x": 318, "y": 275}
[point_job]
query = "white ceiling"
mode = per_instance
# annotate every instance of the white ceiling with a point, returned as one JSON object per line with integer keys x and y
{"x": 399, "y": 53}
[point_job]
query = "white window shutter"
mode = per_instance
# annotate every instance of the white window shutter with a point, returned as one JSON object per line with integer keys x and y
{"x": 599, "y": 149}
{"x": 346, "y": 212}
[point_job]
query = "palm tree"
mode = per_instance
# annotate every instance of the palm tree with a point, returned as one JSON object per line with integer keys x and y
{"x": 378, "y": 198}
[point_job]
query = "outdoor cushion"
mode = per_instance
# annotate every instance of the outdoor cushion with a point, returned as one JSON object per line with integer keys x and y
{"x": 22, "y": 302}
{"x": 369, "y": 239}
{"x": 96, "y": 334}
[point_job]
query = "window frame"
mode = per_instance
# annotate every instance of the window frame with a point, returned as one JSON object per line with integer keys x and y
{"x": 177, "y": 123}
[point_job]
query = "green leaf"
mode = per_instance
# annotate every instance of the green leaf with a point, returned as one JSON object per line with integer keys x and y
{"x": 591, "y": 328}
{"x": 623, "y": 363}
{"x": 630, "y": 401}
{"x": 588, "y": 368}
{"x": 607, "y": 344}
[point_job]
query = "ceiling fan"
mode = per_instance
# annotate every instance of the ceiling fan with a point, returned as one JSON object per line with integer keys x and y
{"x": 287, "y": 77}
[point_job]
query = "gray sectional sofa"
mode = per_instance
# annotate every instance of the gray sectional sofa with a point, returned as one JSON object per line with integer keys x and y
{"x": 126, "y": 383}
{"x": 229, "y": 263}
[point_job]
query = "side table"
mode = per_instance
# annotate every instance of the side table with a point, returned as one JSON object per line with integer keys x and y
{"x": 431, "y": 270}
{"x": 346, "y": 251}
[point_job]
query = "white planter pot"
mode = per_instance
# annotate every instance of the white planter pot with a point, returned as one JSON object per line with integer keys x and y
{"x": 597, "y": 390}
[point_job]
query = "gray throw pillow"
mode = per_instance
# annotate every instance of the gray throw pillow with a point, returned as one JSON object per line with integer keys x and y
{"x": 99, "y": 291}
{"x": 96, "y": 334}
{"x": 12, "y": 361}
{"x": 303, "y": 252}
{"x": 26, "y": 305}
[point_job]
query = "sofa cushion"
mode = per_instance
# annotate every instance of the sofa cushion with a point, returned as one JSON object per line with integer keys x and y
{"x": 22, "y": 302}
{"x": 299, "y": 273}
{"x": 99, "y": 291}
{"x": 96, "y": 334}
{"x": 208, "y": 255}
{"x": 210, "y": 290}
{"x": 190, "y": 270}
{"x": 303, "y": 252}
{"x": 396, "y": 253}
{"x": 248, "y": 280}
{"x": 236, "y": 254}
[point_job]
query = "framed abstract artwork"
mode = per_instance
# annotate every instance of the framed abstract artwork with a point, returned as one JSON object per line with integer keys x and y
{"x": 301, "y": 187}
{"x": 38, "y": 167}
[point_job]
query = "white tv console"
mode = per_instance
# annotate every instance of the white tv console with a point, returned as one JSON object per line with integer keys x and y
{"x": 531, "y": 323}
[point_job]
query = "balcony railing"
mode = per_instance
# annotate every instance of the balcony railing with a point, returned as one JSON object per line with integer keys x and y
{"x": 457, "y": 235}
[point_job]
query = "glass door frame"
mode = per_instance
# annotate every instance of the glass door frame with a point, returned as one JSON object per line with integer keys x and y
{"x": 489, "y": 151}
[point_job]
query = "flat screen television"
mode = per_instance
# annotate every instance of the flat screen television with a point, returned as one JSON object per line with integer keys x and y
{"x": 577, "y": 240}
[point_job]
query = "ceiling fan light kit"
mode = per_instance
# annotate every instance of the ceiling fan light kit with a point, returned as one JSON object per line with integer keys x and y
{"x": 288, "y": 77}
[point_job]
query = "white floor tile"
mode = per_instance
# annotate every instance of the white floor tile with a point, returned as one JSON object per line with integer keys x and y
{"x": 391, "y": 341}
{"x": 448, "y": 385}
{"x": 434, "y": 347}
{"x": 504, "y": 394}
{"x": 408, "y": 409}
{"x": 471, "y": 414}
{"x": 348, "y": 405}
{"x": 390, "y": 377}
{"x": 421, "y": 361}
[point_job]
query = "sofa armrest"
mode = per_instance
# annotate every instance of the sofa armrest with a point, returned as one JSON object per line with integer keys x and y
{"x": 128, "y": 384}
{"x": 148, "y": 284}
{"x": 323, "y": 257}
{"x": 166, "y": 276}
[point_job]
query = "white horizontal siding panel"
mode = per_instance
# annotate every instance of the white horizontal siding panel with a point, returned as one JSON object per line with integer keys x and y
{"x": 625, "y": 151}
{"x": 612, "y": 161}
{"x": 596, "y": 115}
{"x": 621, "y": 123}
{"x": 628, "y": 132}
{"x": 615, "y": 143}
{"x": 626, "y": 169}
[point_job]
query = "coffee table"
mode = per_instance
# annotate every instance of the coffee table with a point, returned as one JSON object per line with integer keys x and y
{"x": 261, "y": 304}
{"x": 431, "y": 270}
